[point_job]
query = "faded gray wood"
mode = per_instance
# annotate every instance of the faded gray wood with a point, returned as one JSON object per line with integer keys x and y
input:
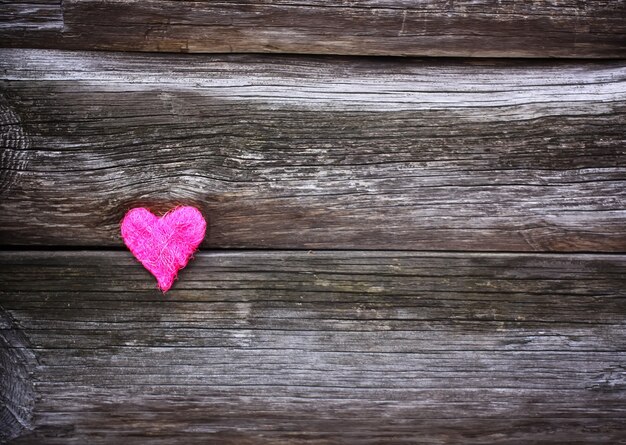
{"x": 292, "y": 152}
{"x": 492, "y": 28}
{"x": 322, "y": 347}
{"x": 17, "y": 362}
{"x": 18, "y": 17}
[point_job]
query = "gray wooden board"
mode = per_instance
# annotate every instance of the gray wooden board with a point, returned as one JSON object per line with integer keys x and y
{"x": 318, "y": 347}
{"x": 300, "y": 152}
{"x": 493, "y": 28}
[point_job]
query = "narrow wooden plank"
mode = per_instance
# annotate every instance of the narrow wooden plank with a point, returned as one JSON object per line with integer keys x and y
{"x": 294, "y": 152}
{"x": 485, "y": 28}
{"x": 322, "y": 347}
{"x": 20, "y": 17}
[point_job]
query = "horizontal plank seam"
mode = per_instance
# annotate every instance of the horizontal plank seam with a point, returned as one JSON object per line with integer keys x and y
{"x": 12, "y": 248}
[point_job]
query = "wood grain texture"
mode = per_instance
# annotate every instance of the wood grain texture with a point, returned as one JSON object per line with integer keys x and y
{"x": 296, "y": 152}
{"x": 17, "y": 362}
{"x": 323, "y": 347}
{"x": 23, "y": 16}
{"x": 485, "y": 28}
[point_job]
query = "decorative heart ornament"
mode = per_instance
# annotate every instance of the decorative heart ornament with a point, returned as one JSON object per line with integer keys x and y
{"x": 163, "y": 245}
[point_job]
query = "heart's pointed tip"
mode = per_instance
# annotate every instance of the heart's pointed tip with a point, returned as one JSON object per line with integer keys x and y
{"x": 165, "y": 283}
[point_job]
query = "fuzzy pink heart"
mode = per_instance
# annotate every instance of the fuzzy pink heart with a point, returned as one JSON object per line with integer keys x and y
{"x": 163, "y": 245}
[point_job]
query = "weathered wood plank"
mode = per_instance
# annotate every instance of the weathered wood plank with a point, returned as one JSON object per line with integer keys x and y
{"x": 16, "y": 387}
{"x": 486, "y": 28}
{"x": 19, "y": 16}
{"x": 324, "y": 347}
{"x": 293, "y": 152}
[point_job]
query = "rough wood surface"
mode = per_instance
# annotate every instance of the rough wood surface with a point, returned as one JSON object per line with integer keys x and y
{"x": 17, "y": 362}
{"x": 323, "y": 347}
{"x": 23, "y": 16}
{"x": 295, "y": 152}
{"x": 492, "y": 28}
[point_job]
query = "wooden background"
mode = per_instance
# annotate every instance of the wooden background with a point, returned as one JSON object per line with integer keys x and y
{"x": 459, "y": 28}
{"x": 401, "y": 249}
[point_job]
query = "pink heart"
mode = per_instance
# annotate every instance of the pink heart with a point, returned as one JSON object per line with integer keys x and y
{"x": 163, "y": 245}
